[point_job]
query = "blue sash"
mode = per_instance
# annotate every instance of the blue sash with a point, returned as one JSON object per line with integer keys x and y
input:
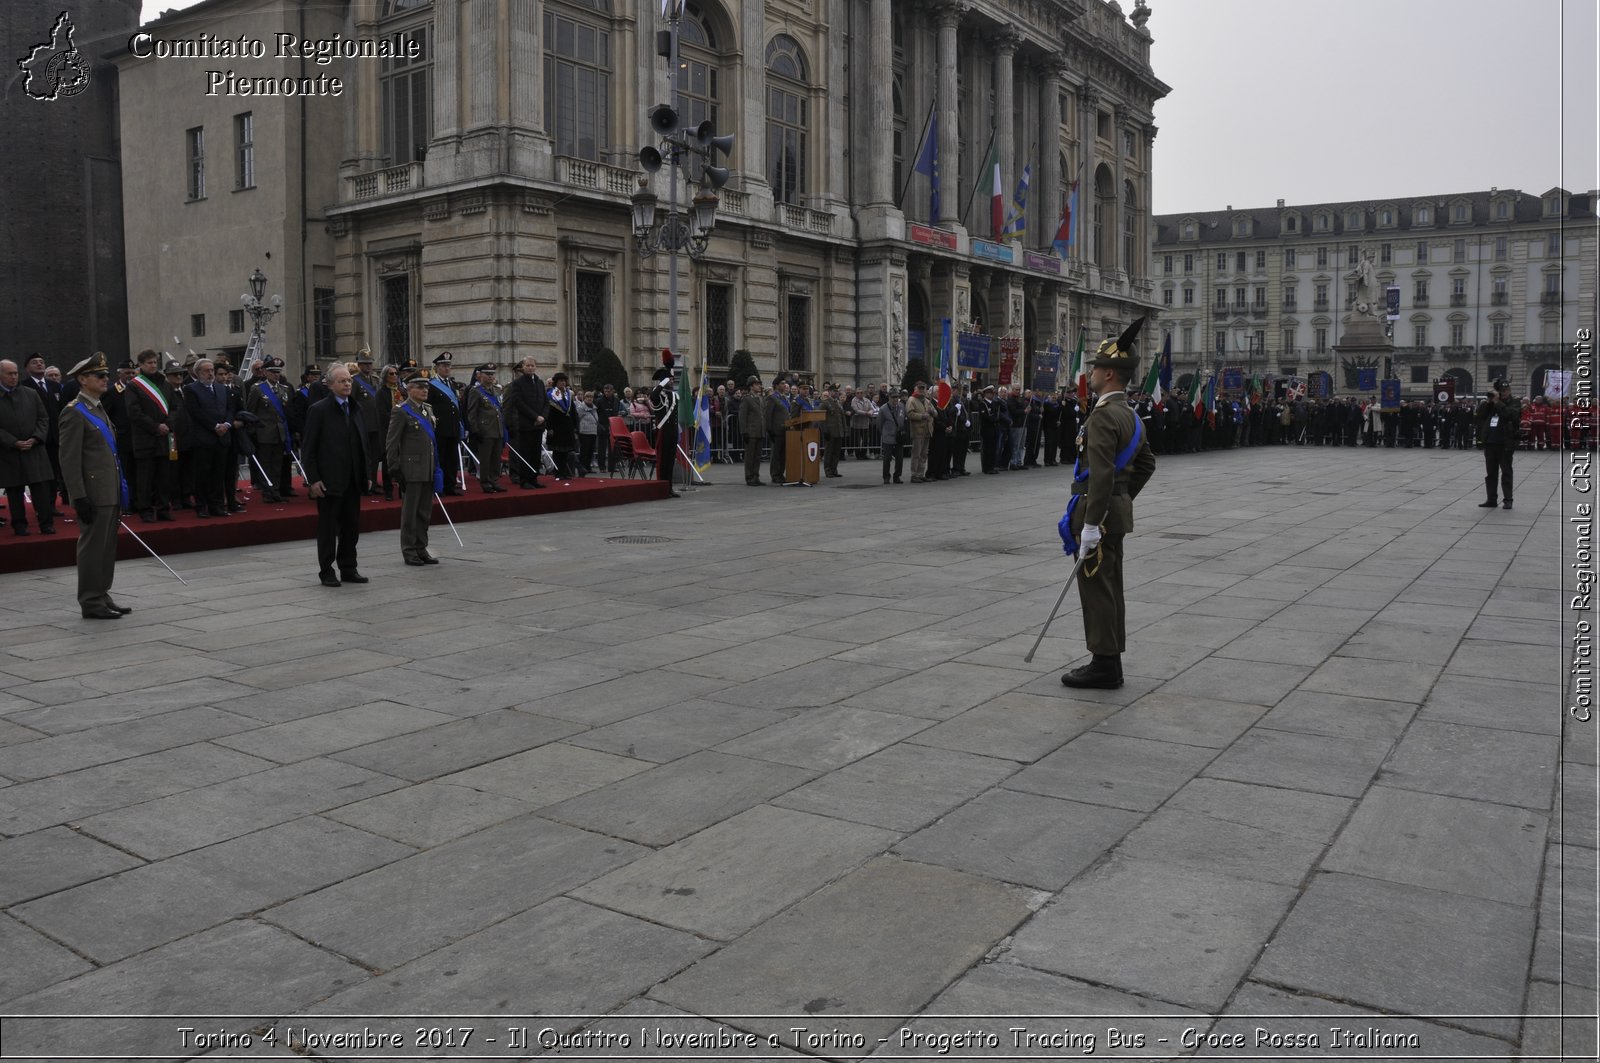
{"x": 1080, "y": 474}
{"x": 449, "y": 391}
{"x": 438, "y": 470}
{"x": 283, "y": 418}
{"x": 111, "y": 441}
{"x": 505, "y": 433}
{"x": 368, "y": 388}
{"x": 565, "y": 404}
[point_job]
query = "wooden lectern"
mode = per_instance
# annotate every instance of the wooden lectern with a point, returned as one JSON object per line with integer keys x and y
{"x": 802, "y": 456}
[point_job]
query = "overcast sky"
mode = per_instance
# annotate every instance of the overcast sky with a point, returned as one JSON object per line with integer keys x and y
{"x": 1315, "y": 101}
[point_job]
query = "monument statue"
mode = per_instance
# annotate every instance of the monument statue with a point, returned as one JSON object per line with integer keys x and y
{"x": 1369, "y": 298}
{"x": 897, "y": 332}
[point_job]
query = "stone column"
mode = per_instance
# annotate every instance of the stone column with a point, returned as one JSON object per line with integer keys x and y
{"x": 531, "y": 148}
{"x": 1090, "y": 102}
{"x": 1005, "y": 50}
{"x": 948, "y": 13}
{"x": 1119, "y": 128}
{"x": 880, "y": 74}
{"x": 446, "y": 89}
{"x": 1049, "y": 212}
{"x": 751, "y": 150}
{"x": 1147, "y": 217}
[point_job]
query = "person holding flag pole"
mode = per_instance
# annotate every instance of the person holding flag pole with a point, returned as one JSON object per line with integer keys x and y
{"x": 1114, "y": 464}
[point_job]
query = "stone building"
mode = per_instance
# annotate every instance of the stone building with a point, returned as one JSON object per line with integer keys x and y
{"x": 61, "y": 262}
{"x": 1491, "y": 283}
{"x": 481, "y": 191}
{"x": 218, "y": 183}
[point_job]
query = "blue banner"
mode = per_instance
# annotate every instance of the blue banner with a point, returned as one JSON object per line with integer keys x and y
{"x": 1319, "y": 385}
{"x": 944, "y": 348}
{"x": 1232, "y": 380}
{"x": 1367, "y": 379}
{"x": 1046, "y": 365}
{"x": 1391, "y": 395}
{"x": 916, "y": 346}
{"x": 972, "y": 351}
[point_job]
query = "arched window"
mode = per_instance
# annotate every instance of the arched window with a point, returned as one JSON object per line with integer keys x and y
{"x": 1104, "y": 211}
{"x": 1130, "y": 213}
{"x": 897, "y": 90}
{"x": 577, "y": 78}
{"x": 788, "y": 117}
{"x": 405, "y": 85}
{"x": 699, "y": 83}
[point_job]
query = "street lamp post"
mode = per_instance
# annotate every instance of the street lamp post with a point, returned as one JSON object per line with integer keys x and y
{"x": 677, "y": 231}
{"x": 260, "y": 312}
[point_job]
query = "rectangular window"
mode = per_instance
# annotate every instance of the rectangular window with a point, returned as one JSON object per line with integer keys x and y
{"x": 1500, "y": 249}
{"x": 799, "y": 334}
{"x": 1222, "y": 261}
{"x": 1188, "y": 263}
{"x": 1221, "y": 342}
{"x": 1497, "y": 372}
{"x": 1238, "y": 297}
{"x": 1166, "y": 264}
{"x": 590, "y": 315}
{"x": 1188, "y": 297}
{"x": 244, "y": 151}
{"x": 235, "y": 321}
{"x": 1419, "y": 374}
{"x": 1385, "y": 254}
{"x": 1166, "y": 296}
{"x": 1239, "y": 262}
{"x": 1288, "y": 258}
{"x": 1322, "y": 341}
{"x": 1188, "y": 340}
{"x": 1554, "y": 246}
{"x": 1261, "y": 260}
{"x": 1552, "y": 282}
{"x": 1291, "y": 295}
{"x": 577, "y": 81}
{"x": 1498, "y": 331}
{"x": 1322, "y": 297}
{"x": 1458, "y": 334}
{"x": 719, "y": 316}
{"x": 1419, "y": 336}
{"x": 1422, "y": 252}
{"x": 322, "y": 322}
{"x": 1419, "y": 294}
{"x": 197, "y": 325}
{"x": 1500, "y": 284}
{"x": 397, "y": 319}
{"x": 196, "y": 140}
{"x": 1222, "y": 298}
{"x": 1461, "y": 251}
{"x": 1288, "y": 340}
{"x": 1261, "y": 297}
{"x": 1458, "y": 286}
{"x": 1322, "y": 258}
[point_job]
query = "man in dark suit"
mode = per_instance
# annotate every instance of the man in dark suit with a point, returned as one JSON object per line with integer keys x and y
{"x": 528, "y": 402}
{"x": 335, "y": 457}
{"x": 50, "y": 391}
{"x": 211, "y": 415}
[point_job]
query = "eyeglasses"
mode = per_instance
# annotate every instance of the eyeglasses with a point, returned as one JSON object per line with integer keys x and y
{"x": 101, "y": 376}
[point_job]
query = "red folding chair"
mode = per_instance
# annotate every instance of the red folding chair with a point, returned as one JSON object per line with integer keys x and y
{"x": 644, "y": 454}
{"x": 621, "y": 444}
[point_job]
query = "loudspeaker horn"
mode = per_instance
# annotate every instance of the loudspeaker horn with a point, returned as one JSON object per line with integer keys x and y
{"x": 717, "y": 175}
{"x": 664, "y": 120}
{"x": 723, "y": 144}
{"x": 650, "y": 159}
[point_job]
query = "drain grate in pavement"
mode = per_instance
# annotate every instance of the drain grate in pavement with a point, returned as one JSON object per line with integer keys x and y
{"x": 1179, "y": 535}
{"x": 638, "y": 540}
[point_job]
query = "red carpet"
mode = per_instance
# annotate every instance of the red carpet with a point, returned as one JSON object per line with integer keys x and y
{"x": 296, "y": 519}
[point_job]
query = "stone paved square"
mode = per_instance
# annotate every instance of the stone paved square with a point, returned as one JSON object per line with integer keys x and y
{"x": 809, "y": 772}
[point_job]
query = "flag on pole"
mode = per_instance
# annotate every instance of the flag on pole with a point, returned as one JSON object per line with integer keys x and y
{"x": 1198, "y": 394}
{"x": 994, "y": 189}
{"x": 1166, "y": 366}
{"x": 928, "y": 163}
{"x": 702, "y": 426}
{"x": 942, "y": 390}
{"x": 685, "y": 401}
{"x": 1081, "y": 377}
{"x": 1152, "y": 381}
{"x": 1018, "y": 224}
{"x": 1064, "y": 235}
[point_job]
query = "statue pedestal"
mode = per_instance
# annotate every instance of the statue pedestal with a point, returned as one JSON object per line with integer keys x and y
{"x": 1364, "y": 343}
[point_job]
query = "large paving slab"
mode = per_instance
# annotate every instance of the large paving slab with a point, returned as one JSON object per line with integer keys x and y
{"x": 646, "y": 778}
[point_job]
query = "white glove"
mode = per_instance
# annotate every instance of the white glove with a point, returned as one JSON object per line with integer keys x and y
{"x": 1090, "y": 540}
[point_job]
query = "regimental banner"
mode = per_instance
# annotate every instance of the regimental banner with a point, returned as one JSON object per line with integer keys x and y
{"x": 1391, "y": 297}
{"x": 972, "y": 351}
{"x": 1232, "y": 380}
{"x": 1046, "y": 364}
{"x": 1367, "y": 378}
{"x": 996, "y": 252}
{"x": 1319, "y": 385}
{"x": 1046, "y": 263}
{"x": 927, "y": 234}
{"x": 1008, "y": 365}
{"x": 1389, "y": 395}
{"x": 1444, "y": 389}
{"x": 1557, "y": 383}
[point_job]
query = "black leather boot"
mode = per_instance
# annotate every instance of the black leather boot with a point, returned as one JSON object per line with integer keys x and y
{"x": 1103, "y": 672}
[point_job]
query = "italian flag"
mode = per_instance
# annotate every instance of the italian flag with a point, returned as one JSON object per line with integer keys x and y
{"x": 997, "y": 195}
{"x": 1078, "y": 374}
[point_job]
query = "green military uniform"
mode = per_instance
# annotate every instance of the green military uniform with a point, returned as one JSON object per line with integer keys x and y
{"x": 96, "y": 487}
{"x": 779, "y": 408}
{"x": 1107, "y": 503}
{"x": 269, "y": 430}
{"x": 410, "y": 455}
{"x": 486, "y": 428}
{"x": 364, "y": 392}
{"x": 833, "y": 432}
{"x": 753, "y": 430}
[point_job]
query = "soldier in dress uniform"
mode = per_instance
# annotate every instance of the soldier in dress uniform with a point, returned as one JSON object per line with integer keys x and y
{"x": 365, "y": 396}
{"x": 1115, "y": 463}
{"x": 96, "y": 485}
{"x": 664, "y": 415}
{"x": 778, "y": 413}
{"x": 445, "y": 398}
{"x": 412, "y": 454}
{"x": 267, "y": 400}
{"x": 753, "y": 429}
{"x": 486, "y": 424}
{"x": 833, "y": 432}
